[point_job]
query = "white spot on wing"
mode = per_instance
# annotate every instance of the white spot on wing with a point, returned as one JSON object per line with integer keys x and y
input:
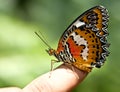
{"x": 78, "y": 23}
{"x": 81, "y": 41}
{"x": 85, "y": 53}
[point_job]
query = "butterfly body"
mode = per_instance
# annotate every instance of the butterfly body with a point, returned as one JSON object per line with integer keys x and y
{"x": 84, "y": 44}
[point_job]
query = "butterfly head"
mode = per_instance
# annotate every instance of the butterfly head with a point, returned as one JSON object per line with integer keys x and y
{"x": 50, "y": 51}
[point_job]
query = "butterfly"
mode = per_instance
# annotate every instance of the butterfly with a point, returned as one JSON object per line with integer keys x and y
{"x": 84, "y": 43}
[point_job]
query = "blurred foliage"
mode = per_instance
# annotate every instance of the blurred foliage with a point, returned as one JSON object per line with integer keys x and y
{"x": 22, "y": 54}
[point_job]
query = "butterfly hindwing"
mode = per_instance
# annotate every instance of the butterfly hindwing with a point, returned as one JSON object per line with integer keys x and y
{"x": 84, "y": 43}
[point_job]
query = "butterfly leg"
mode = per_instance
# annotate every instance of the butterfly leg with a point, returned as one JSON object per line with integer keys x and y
{"x": 52, "y": 63}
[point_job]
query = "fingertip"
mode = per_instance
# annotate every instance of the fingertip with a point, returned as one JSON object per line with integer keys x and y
{"x": 62, "y": 79}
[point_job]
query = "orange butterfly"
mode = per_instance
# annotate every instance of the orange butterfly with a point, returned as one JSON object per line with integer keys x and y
{"x": 84, "y": 44}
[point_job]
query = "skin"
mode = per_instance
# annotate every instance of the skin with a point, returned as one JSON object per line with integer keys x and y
{"x": 62, "y": 79}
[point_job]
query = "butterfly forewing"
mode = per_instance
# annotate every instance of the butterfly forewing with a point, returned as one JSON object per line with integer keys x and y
{"x": 84, "y": 43}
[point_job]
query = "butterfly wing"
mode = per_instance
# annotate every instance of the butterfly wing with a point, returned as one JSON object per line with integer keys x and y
{"x": 84, "y": 42}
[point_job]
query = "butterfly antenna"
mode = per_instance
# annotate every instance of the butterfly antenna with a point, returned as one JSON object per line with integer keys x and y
{"x": 42, "y": 38}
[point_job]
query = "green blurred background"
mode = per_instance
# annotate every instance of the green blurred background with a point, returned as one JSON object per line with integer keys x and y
{"x": 22, "y": 54}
